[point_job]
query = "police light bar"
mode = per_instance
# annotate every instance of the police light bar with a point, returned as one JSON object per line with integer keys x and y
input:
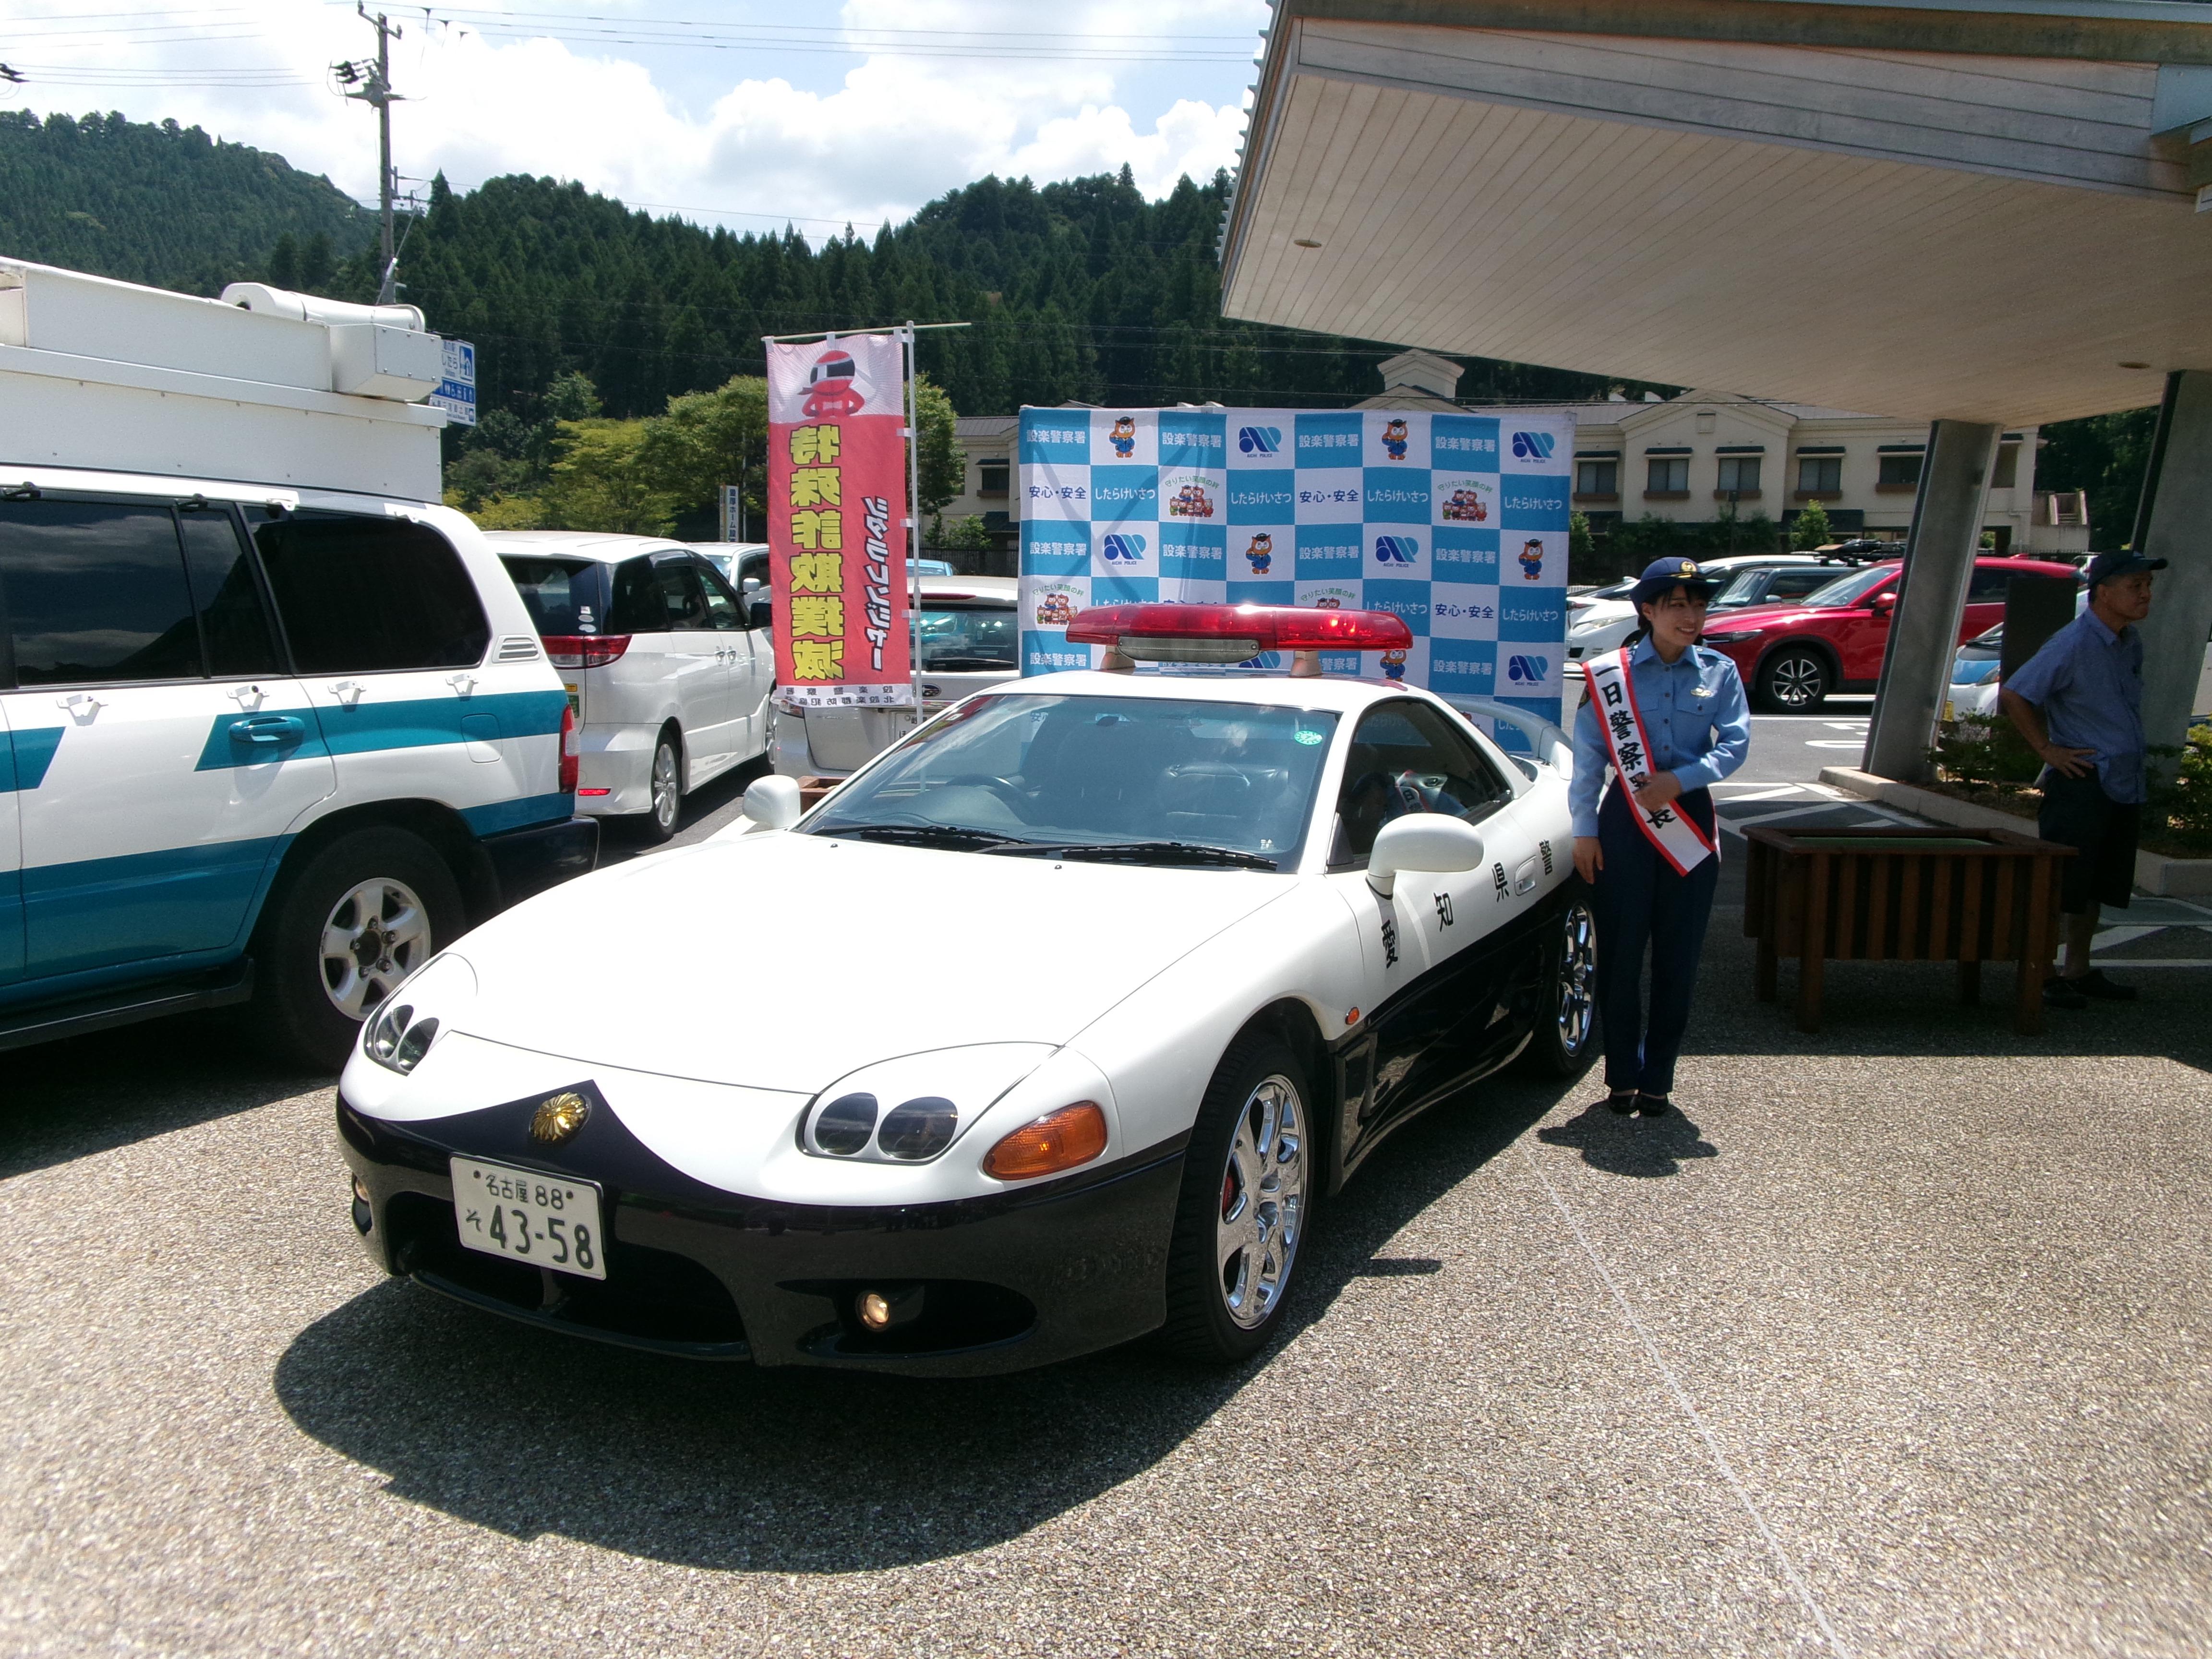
{"x": 1233, "y": 633}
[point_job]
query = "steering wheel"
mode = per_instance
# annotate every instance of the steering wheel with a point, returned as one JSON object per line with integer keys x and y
{"x": 1007, "y": 793}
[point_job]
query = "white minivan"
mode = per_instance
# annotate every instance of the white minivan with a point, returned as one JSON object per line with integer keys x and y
{"x": 668, "y": 679}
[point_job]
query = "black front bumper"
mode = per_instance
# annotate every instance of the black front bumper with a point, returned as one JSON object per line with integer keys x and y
{"x": 525, "y": 862}
{"x": 1007, "y": 1281}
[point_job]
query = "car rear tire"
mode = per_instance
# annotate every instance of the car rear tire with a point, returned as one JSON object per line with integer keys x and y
{"x": 357, "y": 918}
{"x": 657, "y": 823}
{"x": 1795, "y": 680}
{"x": 1249, "y": 1180}
{"x": 1565, "y": 1036}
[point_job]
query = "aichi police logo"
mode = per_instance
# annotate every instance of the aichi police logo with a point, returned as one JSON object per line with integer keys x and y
{"x": 1399, "y": 551}
{"x": 1259, "y": 440}
{"x": 1528, "y": 670}
{"x": 1532, "y": 445}
{"x": 1123, "y": 550}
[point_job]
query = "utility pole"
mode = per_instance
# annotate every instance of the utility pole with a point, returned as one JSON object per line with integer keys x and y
{"x": 375, "y": 90}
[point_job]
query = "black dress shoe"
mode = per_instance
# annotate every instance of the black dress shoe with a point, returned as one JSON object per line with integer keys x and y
{"x": 2064, "y": 994}
{"x": 1622, "y": 1101}
{"x": 1651, "y": 1105}
{"x": 2094, "y": 986}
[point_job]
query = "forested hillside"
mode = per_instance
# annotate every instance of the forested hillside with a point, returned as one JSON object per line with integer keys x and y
{"x": 163, "y": 204}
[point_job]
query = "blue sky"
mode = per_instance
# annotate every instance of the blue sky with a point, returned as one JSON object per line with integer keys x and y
{"x": 739, "y": 112}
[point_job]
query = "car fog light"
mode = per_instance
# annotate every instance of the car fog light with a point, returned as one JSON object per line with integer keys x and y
{"x": 917, "y": 1129}
{"x": 845, "y": 1124}
{"x": 879, "y": 1310}
{"x": 1058, "y": 1140}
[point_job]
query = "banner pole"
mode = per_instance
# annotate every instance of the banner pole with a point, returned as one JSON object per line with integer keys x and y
{"x": 914, "y": 517}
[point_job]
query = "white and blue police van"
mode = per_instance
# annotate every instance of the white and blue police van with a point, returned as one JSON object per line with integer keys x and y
{"x": 275, "y": 725}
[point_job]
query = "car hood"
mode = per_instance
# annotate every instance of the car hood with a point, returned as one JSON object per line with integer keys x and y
{"x": 1769, "y": 616}
{"x": 785, "y": 960}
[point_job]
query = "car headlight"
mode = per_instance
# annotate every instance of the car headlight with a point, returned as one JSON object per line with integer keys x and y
{"x": 1736, "y": 638}
{"x": 402, "y": 1029}
{"x": 910, "y": 1110}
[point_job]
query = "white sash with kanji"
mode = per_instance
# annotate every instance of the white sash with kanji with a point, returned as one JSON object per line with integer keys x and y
{"x": 1677, "y": 836}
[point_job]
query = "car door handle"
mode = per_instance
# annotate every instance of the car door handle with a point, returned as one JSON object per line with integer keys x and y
{"x": 269, "y": 731}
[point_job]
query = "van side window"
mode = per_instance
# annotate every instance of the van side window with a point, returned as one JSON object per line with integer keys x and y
{"x": 1406, "y": 758}
{"x": 234, "y": 623}
{"x": 362, "y": 595}
{"x": 95, "y": 594}
{"x": 683, "y": 599}
{"x": 723, "y": 614}
{"x": 633, "y": 604}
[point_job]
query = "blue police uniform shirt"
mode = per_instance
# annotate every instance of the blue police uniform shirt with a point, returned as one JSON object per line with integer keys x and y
{"x": 1695, "y": 719}
{"x": 2087, "y": 681}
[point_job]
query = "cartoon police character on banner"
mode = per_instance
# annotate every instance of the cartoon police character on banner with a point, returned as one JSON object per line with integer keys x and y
{"x": 1532, "y": 560}
{"x": 1260, "y": 552}
{"x": 1394, "y": 439}
{"x": 1393, "y": 665}
{"x": 1124, "y": 437}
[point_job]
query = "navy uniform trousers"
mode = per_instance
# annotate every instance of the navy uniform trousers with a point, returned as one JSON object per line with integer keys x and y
{"x": 1641, "y": 904}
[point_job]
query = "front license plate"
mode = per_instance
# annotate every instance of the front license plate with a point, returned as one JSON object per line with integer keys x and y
{"x": 541, "y": 1220}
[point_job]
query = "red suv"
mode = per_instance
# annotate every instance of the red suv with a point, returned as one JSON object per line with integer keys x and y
{"x": 1792, "y": 656}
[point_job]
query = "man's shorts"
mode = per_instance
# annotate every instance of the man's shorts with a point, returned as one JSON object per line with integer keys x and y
{"x": 2078, "y": 813}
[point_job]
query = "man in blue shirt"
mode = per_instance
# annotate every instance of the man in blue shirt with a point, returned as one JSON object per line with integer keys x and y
{"x": 1678, "y": 720}
{"x": 2079, "y": 703}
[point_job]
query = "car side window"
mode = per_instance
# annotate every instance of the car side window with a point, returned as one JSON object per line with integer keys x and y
{"x": 1989, "y": 585}
{"x": 362, "y": 595}
{"x": 1406, "y": 758}
{"x": 752, "y": 572}
{"x": 1795, "y": 584}
{"x": 233, "y": 621}
{"x": 96, "y": 593}
{"x": 683, "y": 599}
{"x": 724, "y": 615}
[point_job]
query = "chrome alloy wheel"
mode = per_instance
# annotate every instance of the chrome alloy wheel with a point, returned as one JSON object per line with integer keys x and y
{"x": 1797, "y": 682}
{"x": 377, "y": 934}
{"x": 1263, "y": 1201}
{"x": 1578, "y": 979}
{"x": 667, "y": 798}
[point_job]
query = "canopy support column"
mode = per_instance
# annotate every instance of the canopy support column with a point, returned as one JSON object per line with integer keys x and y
{"x": 1931, "y": 598}
{"x": 2174, "y": 523}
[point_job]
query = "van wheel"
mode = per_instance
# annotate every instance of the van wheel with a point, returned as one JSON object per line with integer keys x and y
{"x": 1248, "y": 1178}
{"x": 658, "y": 821}
{"x": 359, "y": 917}
{"x": 1794, "y": 681}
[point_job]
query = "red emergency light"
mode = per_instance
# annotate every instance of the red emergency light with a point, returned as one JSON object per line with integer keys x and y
{"x": 1168, "y": 632}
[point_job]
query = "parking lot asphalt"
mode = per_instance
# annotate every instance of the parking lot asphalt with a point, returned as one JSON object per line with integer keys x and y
{"x": 1895, "y": 1344}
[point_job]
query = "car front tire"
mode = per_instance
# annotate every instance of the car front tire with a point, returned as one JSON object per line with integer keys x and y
{"x": 1249, "y": 1182}
{"x": 1795, "y": 680}
{"x": 357, "y": 918}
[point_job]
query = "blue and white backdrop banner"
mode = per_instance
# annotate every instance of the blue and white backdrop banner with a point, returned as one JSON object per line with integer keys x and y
{"x": 1457, "y": 523}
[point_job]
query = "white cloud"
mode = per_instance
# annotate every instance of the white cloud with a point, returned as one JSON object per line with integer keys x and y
{"x": 870, "y": 145}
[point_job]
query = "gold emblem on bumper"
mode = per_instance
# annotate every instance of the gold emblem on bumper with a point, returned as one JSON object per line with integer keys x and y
{"x": 558, "y": 1117}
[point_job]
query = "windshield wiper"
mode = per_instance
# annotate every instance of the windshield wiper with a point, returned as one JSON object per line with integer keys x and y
{"x": 1144, "y": 852}
{"x": 948, "y": 835}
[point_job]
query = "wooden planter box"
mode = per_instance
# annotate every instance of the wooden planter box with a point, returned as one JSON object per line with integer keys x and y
{"x": 1962, "y": 896}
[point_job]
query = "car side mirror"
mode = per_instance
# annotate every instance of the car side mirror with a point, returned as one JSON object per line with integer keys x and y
{"x": 772, "y": 802}
{"x": 760, "y": 609}
{"x": 1433, "y": 842}
{"x": 1881, "y": 605}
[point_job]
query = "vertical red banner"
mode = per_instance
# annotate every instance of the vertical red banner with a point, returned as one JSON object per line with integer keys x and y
{"x": 838, "y": 513}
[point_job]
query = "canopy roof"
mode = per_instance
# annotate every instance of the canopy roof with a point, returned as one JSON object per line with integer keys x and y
{"x": 1931, "y": 208}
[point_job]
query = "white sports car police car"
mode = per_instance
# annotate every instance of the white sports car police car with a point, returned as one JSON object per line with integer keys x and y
{"x": 1264, "y": 922}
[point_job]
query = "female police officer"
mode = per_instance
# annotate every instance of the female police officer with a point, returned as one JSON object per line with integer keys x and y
{"x": 1668, "y": 716}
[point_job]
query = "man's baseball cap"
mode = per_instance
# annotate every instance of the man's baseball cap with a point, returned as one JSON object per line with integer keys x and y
{"x": 2106, "y": 566}
{"x": 1662, "y": 576}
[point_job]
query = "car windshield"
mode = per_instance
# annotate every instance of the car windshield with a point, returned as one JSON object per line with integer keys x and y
{"x": 977, "y": 639}
{"x": 1743, "y": 585}
{"x": 562, "y": 596}
{"x": 1849, "y": 589}
{"x": 1167, "y": 779}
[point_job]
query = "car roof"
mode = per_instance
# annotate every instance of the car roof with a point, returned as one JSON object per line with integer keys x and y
{"x": 1004, "y": 589}
{"x": 604, "y": 547}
